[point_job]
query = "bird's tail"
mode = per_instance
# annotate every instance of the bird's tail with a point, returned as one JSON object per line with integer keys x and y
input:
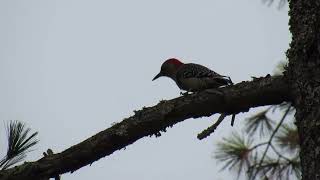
{"x": 224, "y": 80}
{"x": 228, "y": 79}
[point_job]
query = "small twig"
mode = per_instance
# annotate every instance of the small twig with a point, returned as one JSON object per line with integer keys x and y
{"x": 270, "y": 140}
{"x": 279, "y": 154}
{"x": 258, "y": 145}
{"x": 205, "y": 133}
{"x": 233, "y": 115}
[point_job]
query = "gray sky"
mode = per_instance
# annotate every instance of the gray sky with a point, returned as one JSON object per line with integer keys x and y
{"x": 70, "y": 68}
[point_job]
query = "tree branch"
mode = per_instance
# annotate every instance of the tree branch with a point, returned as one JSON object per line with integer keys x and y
{"x": 205, "y": 133}
{"x": 151, "y": 121}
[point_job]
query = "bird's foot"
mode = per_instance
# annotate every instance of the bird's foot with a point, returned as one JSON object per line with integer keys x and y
{"x": 185, "y": 93}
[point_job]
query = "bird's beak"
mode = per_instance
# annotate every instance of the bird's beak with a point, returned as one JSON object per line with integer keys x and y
{"x": 157, "y": 76}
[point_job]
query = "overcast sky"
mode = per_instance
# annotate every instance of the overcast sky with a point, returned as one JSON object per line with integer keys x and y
{"x": 70, "y": 68}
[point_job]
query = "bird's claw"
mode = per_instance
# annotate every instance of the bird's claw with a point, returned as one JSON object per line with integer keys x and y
{"x": 184, "y": 93}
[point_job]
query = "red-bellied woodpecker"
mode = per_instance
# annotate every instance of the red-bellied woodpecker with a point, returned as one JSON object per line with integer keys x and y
{"x": 192, "y": 77}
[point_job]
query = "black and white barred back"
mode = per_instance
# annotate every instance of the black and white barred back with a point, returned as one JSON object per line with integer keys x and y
{"x": 195, "y": 77}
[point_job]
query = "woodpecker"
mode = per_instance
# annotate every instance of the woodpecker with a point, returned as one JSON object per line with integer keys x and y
{"x": 191, "y": 77}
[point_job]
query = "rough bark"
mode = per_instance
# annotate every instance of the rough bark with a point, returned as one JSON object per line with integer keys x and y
{"x": 151, "y": 121}
{"x": 304, "y": 76}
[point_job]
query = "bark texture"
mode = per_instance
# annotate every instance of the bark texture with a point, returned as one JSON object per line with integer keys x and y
{"x": 303, "y": 73}
{"x": 151, "y": 121}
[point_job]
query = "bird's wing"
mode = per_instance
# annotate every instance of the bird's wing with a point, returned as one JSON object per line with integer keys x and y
{"x": 191, "y": 70}
{"x": 196, "y": 71}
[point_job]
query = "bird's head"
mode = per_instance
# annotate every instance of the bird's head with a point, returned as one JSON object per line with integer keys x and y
{"x": 169, "y": 68}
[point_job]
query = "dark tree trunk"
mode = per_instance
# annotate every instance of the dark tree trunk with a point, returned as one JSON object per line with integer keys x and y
{"x": 303, "y": 74}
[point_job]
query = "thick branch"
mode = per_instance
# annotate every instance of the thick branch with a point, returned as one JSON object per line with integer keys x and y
{"x": 152, "y": 120}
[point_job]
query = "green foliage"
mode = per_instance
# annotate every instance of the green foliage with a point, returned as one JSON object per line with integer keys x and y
{"x": 259, "y": 123}
{"x": 274, "y": 156}
{"x": 278, "y": 169}
{"x": 280, "y": 68}
{"x": 288, "y": 138}
{"x": 19, "y": 143}
{"x": 234, "y": 152}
